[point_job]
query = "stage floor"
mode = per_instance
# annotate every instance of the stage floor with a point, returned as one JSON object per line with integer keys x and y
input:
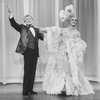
{"x": 13, "y": 92}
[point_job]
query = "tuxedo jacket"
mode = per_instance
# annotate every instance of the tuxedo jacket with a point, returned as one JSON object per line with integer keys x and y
{"x": 24, "y": 37}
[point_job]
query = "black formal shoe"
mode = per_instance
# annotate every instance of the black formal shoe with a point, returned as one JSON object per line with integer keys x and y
{"x": 63, "y": 93}
{"x": 32, "y": 92}
{"x": 25, "y": 93}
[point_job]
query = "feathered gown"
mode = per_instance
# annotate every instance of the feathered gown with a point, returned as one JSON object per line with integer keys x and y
{"x": 65, "y": 54}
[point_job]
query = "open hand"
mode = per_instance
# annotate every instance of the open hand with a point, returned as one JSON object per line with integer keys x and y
{"x": 9, "y": 9}
{"x": 42, "y": 30}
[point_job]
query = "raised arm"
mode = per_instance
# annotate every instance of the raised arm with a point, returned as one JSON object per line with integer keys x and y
{"x": 13, "y": 23}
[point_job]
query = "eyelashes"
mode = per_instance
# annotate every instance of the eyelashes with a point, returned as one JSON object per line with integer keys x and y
{"x": 74, "y": 20}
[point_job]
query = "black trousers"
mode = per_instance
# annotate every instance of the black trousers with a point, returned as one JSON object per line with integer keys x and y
{"x": 30, "y": 62}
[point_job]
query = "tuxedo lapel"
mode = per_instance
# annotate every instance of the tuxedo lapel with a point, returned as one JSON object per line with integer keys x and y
{"x": 32, "y": 30}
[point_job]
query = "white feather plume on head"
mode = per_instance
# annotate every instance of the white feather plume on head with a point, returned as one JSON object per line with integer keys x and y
{"x": 67, "y": 13}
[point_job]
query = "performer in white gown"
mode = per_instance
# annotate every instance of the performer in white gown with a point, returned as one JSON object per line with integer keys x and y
{"x": 65, "y": 54}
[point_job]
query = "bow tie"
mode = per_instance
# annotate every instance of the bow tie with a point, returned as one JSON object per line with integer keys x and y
{"x": 30, "y": 26}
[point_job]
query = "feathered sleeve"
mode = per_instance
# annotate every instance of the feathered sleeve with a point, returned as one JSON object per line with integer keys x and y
{"x": 51, "y": 38}
{"x": 75, "y": 49}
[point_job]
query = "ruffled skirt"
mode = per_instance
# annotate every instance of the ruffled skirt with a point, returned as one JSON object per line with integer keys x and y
{"x": 60, "y": 79}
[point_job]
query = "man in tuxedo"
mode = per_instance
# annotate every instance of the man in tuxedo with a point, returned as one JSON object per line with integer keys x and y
{"x": 28, "y": 47}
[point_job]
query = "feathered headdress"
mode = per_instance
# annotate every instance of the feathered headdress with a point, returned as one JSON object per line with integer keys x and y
{"x": 67, "y": 13}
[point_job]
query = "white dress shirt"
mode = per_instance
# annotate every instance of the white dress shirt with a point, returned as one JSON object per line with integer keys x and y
{"x": 32, "y": 31}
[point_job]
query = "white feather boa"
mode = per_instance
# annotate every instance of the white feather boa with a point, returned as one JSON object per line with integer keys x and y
{"x": 75, "y": 49}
